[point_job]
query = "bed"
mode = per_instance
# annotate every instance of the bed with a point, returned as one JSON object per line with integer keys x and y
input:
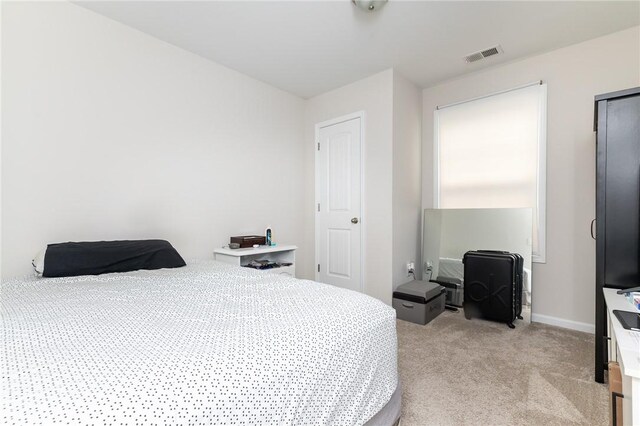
{"x": 208, "y": 343}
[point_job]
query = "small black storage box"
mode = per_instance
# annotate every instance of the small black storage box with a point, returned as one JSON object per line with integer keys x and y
{"x": 419, "y": 301}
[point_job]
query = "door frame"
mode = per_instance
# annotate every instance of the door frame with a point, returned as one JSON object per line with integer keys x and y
{"x": 316, "y": 140}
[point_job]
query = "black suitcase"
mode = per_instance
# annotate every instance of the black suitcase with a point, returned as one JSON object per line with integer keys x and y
{"x": 493, "y": 285}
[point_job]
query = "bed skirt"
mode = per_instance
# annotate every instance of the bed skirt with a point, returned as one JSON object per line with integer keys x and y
{"x": 390, "y": 413}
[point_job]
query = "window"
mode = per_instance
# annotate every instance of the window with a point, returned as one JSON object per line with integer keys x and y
{"x": 490, "y": 153}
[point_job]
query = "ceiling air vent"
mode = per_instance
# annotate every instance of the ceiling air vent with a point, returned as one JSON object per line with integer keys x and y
{"x": 483, "y": 54}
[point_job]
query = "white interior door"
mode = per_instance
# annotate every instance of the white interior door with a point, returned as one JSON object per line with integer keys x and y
{"x": 338, "y": 190}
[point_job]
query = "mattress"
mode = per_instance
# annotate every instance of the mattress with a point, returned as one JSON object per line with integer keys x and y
{"x": 209, "y": 343}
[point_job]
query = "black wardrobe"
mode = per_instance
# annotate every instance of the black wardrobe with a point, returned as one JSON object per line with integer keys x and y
{"x": 617, "y": 225}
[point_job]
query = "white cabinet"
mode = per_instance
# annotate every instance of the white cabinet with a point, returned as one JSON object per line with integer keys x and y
{"x": 242, "y": 257}
{"x": 625, "y": 349}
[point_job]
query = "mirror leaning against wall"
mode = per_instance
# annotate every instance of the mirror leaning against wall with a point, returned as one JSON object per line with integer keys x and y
{"x": 450, "y": 233}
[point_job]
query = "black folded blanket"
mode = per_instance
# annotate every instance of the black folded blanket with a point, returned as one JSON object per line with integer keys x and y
{"x": 101, "y": 257}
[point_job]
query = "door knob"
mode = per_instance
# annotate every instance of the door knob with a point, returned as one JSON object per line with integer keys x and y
{"x": 354, "y": 220}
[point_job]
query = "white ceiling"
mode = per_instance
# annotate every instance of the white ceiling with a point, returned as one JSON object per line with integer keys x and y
{"x": 308, "y": 47}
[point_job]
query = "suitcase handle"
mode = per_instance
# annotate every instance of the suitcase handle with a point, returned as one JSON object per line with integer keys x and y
{"x": 407, "y": 305}
{"x": 493, "y": 251}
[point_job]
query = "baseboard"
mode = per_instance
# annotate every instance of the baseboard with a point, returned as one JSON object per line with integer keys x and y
{"x": 564, "y": 323}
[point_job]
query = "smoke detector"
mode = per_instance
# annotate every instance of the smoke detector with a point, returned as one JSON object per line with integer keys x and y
{"x": 483, "y": 54}
{"x": 369, "y": 5}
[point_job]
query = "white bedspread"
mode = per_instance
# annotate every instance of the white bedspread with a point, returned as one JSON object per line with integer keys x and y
{"x": 205, "y": 344}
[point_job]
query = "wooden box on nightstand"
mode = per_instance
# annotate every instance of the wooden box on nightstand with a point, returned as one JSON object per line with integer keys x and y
{"x": 243, "y": 256}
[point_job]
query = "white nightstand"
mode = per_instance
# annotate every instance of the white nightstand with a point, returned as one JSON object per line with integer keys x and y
{"x": 243, "y": 256}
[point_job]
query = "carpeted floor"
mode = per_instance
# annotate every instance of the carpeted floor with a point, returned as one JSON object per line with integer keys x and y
{"x": 460, "y": 372}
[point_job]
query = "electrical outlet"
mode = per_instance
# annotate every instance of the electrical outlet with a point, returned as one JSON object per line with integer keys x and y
{"x": 410, "y": 269}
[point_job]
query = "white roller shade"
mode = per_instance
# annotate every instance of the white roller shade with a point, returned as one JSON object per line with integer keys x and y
{"x": 490, "y": 154}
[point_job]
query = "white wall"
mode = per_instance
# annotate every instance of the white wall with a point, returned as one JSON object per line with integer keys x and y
{"x": 112, "y": 134}
{"x": 392, "y": 168}
{"x": 1, "y": 173}
{"x": 374, "y": 96}
{"x": 563, "y": 288}
{"x": 432, "y": 233}
{"x": 407, "y": 188}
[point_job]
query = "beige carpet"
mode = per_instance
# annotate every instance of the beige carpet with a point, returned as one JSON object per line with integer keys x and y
{"x": 460, "y": 372}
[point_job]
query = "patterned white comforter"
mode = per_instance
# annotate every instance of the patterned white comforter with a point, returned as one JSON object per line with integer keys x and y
{"x": 205, "y": 344}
